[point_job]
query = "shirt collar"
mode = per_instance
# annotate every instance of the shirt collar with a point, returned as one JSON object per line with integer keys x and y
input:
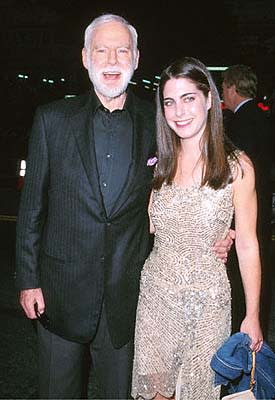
{"x": 96, "y": 103}
{"x": 241, "y": 104}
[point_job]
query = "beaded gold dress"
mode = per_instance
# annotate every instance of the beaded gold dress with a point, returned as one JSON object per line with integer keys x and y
{"x": 184, "y": 308}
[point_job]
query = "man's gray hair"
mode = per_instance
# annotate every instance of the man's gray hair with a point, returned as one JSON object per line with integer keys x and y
{"x": 103, "y": 19}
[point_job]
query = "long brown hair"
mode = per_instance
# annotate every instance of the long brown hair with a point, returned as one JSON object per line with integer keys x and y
{"x": 214, "y": 147}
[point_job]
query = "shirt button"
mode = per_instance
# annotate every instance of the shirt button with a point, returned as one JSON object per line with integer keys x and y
{"x": 104, "y": 184}
{"x": 108, "y": 155}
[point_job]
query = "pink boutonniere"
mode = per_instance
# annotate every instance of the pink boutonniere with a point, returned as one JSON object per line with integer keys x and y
{"x": 152, "y": 161}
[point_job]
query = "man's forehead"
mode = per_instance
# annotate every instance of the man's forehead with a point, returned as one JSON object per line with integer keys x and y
{"x": 112, "y": 31}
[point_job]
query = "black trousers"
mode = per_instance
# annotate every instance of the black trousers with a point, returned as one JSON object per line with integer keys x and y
{"x": 63, "y": 365}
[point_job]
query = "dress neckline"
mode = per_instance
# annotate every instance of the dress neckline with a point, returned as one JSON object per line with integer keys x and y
{"x": 185, "y": 188}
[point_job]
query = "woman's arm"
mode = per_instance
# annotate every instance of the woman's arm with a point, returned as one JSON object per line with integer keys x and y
{"x": 245, "y": 204}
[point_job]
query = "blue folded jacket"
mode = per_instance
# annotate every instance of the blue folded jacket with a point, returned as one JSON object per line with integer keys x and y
{"x": 232, "y": 364}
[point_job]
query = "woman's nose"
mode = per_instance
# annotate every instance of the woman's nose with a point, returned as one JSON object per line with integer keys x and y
{"x": 179, "y": 110}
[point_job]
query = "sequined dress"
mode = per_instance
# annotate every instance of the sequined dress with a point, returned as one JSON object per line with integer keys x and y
{"x": 184, "y": 309}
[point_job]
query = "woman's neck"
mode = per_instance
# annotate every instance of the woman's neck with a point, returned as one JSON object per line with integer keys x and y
{"x": 189, "y": 167}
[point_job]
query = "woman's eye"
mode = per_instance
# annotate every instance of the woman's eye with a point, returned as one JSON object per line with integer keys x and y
{"x": 188, "y": 99}
{"x": 167, "y": 103}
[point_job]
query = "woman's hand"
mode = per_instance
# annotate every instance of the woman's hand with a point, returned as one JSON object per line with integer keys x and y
{"x": 251, "y": 326}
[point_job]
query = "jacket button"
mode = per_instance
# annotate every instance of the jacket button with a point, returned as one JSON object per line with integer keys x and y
{"x": 102, "y": 258}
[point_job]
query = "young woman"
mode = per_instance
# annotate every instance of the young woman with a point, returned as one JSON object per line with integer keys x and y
{"x": 184, "y": 310}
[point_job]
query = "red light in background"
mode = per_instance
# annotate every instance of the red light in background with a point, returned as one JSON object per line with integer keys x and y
{"x": 263, "y": 107}
{"x": 260, "y": 105}
{"x": 19, "y": 183}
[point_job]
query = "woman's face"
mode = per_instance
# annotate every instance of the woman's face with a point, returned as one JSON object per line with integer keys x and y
{"x": 185, "y": 108}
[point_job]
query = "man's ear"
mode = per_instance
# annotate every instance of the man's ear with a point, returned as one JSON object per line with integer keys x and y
{"x": 137, "y": 59}
{"x": 84, "y": 58}
{"x": 234, "y": 89}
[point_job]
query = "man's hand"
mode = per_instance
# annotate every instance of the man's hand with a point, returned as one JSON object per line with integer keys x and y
{"x": 28, "y": 298}
{"x": 222, "y": 247}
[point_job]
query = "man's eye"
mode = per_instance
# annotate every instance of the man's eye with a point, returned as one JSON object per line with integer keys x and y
{"x": 100, "y": 50}
{"x": 167, "y": 103}
{"x": 123, "y": 51}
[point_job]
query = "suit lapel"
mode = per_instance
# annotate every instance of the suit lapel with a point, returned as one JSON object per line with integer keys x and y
{"x": 135, "y": 163}
{"x": 82, "y": 128}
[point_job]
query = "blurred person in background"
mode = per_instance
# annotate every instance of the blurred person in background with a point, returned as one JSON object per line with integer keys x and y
{"x": 250, "y": 130}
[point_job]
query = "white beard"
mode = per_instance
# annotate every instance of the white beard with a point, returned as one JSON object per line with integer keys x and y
{"x": 104, "y": 90}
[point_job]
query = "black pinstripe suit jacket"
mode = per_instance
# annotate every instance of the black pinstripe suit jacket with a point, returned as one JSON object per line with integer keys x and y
{"x": 65, "y": 243}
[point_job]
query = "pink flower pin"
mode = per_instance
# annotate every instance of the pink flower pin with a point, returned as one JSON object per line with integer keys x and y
{"x": 151, "y": 161}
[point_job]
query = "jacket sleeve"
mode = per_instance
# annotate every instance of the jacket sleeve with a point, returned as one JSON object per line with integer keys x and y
{"x": 33, "y": 207}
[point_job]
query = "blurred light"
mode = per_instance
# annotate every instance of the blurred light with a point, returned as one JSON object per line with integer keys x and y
{"x": 157, "y": 77}
{"x": 22, "y": 170}
{"x": 146, "y": 81}
{"x": 216, "y": 68}
{"x": 156, "y": 84}
{"x": 132, "y": 83}
{"x": 147, "y": 87}
{"x": 21, "y": 76}
{"x": 23, "y": 164}
{"x": 48, "y": 80}
{"x": 67, "y": 96}
{"x": 62, "y": 80}
{"x": 262, "y": 106}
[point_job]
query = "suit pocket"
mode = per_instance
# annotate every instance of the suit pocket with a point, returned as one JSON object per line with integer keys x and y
{"x": 49, "y": 258}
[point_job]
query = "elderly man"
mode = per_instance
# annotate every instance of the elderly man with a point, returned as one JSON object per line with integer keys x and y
{"x": 82, "y": 231}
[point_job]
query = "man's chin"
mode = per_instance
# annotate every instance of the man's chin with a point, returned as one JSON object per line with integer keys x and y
{"x": 111, "y": 93}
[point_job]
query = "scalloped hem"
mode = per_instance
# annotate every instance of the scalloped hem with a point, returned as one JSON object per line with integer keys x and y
{"x": 151, "y": 395}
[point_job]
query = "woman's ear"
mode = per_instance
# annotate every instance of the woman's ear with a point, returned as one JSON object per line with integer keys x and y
{"x": 209, "y": 100}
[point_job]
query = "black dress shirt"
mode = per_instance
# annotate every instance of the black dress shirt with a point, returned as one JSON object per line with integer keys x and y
{"x": 113, "y": 133}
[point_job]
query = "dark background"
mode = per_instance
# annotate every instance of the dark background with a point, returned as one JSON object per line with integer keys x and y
{"x": 219, "y": 32}
{"x": 42, "y": 39}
